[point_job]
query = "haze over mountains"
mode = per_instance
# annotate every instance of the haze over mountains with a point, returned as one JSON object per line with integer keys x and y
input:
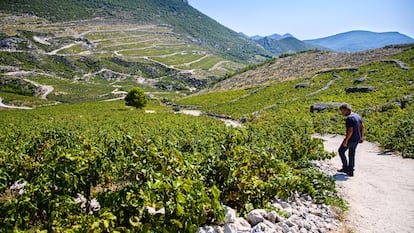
{"x": 353, "y": 41}
{"x": 285, "y": 45}
{"x": 273, "y": 36}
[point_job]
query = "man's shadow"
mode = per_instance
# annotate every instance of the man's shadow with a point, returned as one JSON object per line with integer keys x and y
{"x": 386, "y": 153}
{"x": 340, "y": 177}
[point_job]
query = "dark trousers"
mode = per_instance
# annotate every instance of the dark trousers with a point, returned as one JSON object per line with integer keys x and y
{"x": 351, "y": 154}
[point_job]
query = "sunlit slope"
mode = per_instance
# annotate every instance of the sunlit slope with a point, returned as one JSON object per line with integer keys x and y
{"x": 384, "y": 109}
{"x": 179, "y": 15}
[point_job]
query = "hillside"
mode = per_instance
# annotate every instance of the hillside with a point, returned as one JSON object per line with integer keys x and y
{"x": 355, "y": 41}
{"x": 183, "y": 18}
{"x": 285, "y": 45}
{"x": 275, "y": 93}
{"x": 311, "y": 104}
{"x": 103, "y": 166}
{"x": 305, "y": 64}
{"x": 100, "y": 55}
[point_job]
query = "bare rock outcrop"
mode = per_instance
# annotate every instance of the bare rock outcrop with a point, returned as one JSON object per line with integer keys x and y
{"x": 398, "y": 63}
{"x": 320, "y": 107}
{"x": 364, "y": 89}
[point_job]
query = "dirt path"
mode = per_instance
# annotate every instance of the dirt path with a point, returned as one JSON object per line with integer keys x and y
{"x": 197, "y": 113}
{"x": 54, "y": 52}
{"x": 45, "y": 89}
{"x": 2, "y": 105}
{"x": 195, "y": 61}
{"x": 381, "y": 193}
{"x": 326, "y": 87}
{"x": 218, "y": 65}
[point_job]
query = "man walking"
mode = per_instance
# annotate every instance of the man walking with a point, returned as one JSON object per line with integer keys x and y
{"x": 354, "y": 135}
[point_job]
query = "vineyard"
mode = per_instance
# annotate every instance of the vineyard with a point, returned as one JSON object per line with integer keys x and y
{"x": 387, "y": 111}
{"x": 75, "y": 158}
{"x": 101, "y": 166}
{"x": 75, "y": 163}
{"x": 90, "y": 50}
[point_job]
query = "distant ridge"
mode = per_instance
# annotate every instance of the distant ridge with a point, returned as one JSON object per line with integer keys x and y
{"x": 286, "y": 45}
{"x": 356, "y": 41}
{"x": 274, "y": 36}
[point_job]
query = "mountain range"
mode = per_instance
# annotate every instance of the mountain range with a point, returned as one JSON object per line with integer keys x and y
{"x": 353, "y": 41}
{"x": 274, "y": 36}
{"x": 356, "y": 41}
{"x": 199, "y": 28}
{"x": 286, "y": 45}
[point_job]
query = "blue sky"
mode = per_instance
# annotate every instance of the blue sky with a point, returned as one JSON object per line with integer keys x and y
{"x": 309, "y": 19}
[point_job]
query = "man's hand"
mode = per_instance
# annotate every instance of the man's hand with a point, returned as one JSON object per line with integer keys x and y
{"x": 361, "y": 141}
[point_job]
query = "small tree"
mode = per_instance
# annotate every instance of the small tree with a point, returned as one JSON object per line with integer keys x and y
{"x": 136, "y": 98}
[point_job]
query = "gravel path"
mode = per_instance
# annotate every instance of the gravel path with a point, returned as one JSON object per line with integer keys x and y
{"x": 381, "y": 193}
{"x": 45, "y": 89}
{"x": 54, "y": 52}
{"x": 2, "y": 105}
{"x": 326, "y": 87}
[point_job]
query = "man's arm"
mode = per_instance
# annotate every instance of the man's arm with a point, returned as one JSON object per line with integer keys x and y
{"x": 362, "y": 131}
{"x": 348, "y": 136}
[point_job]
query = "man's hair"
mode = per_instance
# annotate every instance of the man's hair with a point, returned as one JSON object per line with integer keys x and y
{"x": 345, "y": 106}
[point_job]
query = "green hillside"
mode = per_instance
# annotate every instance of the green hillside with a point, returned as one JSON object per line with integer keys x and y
{"x": 75, "y": 158}
{"x": 103, "y": 166}
{"x": 115, "y": 45}
{"x": 180, "y": 15}
{"x": 388, "y": 111}
{"x": 150, "y": 56}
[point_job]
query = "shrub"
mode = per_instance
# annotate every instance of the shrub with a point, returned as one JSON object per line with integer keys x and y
{"x": 403, "y": 138}
{"x": 136, "y": 98}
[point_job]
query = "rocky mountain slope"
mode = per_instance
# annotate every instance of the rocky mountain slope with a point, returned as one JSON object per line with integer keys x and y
{"x": 305, "y": 64}
{"x": 116, "y": 45}
{"x": 273, "y": 36}
{"x": 195, "y": 26}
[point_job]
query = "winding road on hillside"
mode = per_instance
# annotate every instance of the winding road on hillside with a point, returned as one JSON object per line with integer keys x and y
{"x": 381, "y": 192}
{"x": 45, "y": 89}
{"x": 54, "y": 52}
{"x": 2, "y": 105}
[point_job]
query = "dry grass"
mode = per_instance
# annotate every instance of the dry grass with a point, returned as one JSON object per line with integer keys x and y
{"x": 303, "y": 65}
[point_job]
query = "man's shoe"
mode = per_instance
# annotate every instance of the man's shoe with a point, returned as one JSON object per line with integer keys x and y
{"x": 343, "y": 170}
{"x": 350, "y": 173}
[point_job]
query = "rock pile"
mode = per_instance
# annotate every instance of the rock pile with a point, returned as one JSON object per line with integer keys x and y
{"x": 360, "y": 80}
{"x": 18, "y": 188}
{"x": 359, "y": 89}
{"x": 398, "y": 63}
{"x": 87, "y": 206}
{"x": 320, "y": 107}
{"x": 302, "y": 85}
{"x": 299, "y": 214}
